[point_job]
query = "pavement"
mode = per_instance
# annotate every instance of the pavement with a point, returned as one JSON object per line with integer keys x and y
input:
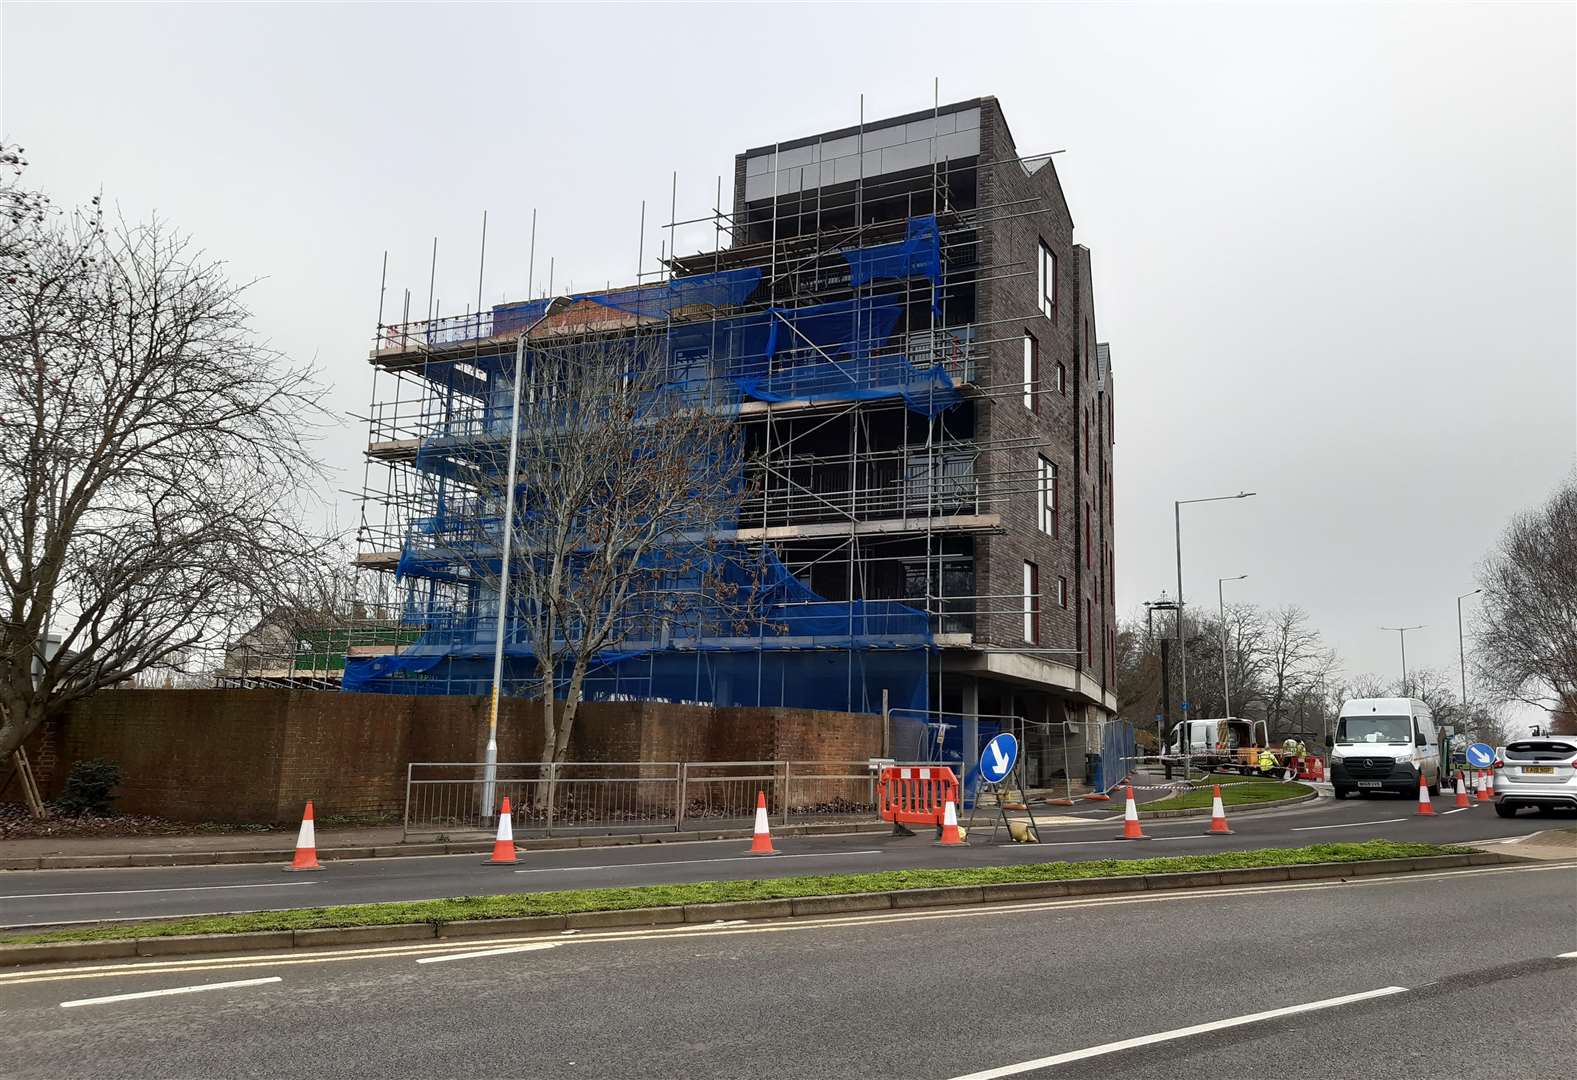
{"x": 37, "y": 898}
{"x": 1460, "y": 973}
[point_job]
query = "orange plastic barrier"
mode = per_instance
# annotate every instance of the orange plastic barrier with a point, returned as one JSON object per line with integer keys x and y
{"x": 1310, "y": 768}
{"x": 915, "y": 794}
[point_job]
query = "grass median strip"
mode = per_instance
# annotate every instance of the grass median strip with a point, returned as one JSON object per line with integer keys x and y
{"x": 576, "y": 901}
{"x": 1235, "y": 791}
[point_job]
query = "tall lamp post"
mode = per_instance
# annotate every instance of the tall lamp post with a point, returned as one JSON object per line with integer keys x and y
{"x": 1401, "y": 631}
{"x": 1177, "y": 522}
{"x": 1150, "y": 608}
{"x": 1462, "y": 658}
{"x": 490, "y": 765}
{"x": 1221, "y": 603}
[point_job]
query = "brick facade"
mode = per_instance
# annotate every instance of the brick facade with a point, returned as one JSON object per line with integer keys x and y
{"x": 256, "y": 756}
{"x": 1031, "y": 208}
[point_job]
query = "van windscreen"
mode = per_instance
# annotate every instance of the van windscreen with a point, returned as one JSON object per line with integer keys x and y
{"x": 1375, "y": 729}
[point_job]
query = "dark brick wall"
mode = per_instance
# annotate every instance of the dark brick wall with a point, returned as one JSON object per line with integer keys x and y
{"x": 258, "y": 755}
{"x": 1010, "y": 307}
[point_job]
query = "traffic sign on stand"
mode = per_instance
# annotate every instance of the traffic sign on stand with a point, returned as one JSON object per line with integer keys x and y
{"x": 1480, "y": 755}
{"x": 996, "y": 762}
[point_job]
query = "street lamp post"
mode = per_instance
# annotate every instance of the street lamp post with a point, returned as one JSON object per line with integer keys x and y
{"x": 490, "y": 764}
{"x": 1401, "y": 632}
{"x": 1221, "y": 603}
{"x": 1150, "y": 608}
{"x": 1462, "y": 657}
{"x": 1177, "y": 523}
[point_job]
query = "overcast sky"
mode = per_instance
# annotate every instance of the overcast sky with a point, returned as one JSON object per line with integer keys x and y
{"x": 1335, "y": 248}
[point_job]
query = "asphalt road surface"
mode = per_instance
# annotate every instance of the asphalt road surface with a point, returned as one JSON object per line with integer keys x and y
{"x": 31, "y": 898}
{"x": 55, "y": 897}
{"x": 1455, "y": 973}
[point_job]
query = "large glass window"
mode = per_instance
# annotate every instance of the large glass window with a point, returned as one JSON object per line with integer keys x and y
{"x": 1032, "y": 603}
{"x": 1048, "y": 281}
{"x": 1031, "y": 373}
{"x": 1048, "y": 497}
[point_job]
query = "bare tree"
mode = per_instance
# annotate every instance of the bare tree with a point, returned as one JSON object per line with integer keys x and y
{"x": 626, "y": 492}
{"x": 1367, "y": 685}
{"x": 151, "y": 457}
{"x": 1526, "y": 633}
{"x": 1246, "y": 657}
{"x": 1294, "y": 657}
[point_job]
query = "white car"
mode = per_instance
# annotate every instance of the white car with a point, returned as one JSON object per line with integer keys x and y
{"x": 1539, "y": 772}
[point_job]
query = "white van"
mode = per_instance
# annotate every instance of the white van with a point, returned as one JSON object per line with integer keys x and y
{"x": 1384, "y": 744}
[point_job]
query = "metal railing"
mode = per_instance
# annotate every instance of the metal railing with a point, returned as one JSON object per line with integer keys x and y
{"x": 444, "y": 798}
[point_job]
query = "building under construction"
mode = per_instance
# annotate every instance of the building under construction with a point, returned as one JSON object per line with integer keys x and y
{"x": 898, "y": 319}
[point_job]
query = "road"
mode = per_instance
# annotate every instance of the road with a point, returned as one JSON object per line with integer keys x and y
{"x": 1467, "y": 962}
{"x": 30, "y": 898}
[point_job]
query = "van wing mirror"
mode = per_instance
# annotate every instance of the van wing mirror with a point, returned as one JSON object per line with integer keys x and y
{"x": 1329, "y": 741}
{"x": 1419, "y": 740}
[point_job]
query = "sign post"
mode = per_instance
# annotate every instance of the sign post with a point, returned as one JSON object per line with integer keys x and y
{"x": 997, "y": 764}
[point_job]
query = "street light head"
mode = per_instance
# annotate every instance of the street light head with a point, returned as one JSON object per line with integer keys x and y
{"x": 1246, "y": 494}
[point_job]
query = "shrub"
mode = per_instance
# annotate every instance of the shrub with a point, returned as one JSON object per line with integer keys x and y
{"x": 90, "y": 789}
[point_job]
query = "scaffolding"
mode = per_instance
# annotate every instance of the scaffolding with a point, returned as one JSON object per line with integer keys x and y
{"x": 838, "y": 327}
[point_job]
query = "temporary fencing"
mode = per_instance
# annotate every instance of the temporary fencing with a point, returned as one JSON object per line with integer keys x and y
{"x": 916, "y": 794}
{"x": 586, "y": 797}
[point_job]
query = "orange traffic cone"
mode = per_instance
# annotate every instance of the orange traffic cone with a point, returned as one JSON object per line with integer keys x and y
{"x": 306, "y": 844}
{"x": 1425, "y": 808}
{"x": 1462, "y": 799}
{"x": 1131, "y": 820}
{"x": 1218, "y": 814}
{"x": 1485, "y": 794}
{"x": 952, "y": 836}
{"x": 761, "y": 843}
{"x": 504, "y": 842}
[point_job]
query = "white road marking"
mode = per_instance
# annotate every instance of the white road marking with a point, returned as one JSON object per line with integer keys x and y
{"x": 535, "y": 946}
{"x": 686, "y": 862}
{"x": 326, "y": 955}
{"x": 1178, "y": 1033}
{"x": 1458, "y": 810}
{"x": 184, "y": 888}
{"x": 169, "y": 991}
{"x": 1567, "y": 956}
{"x": 1348, "y": 825}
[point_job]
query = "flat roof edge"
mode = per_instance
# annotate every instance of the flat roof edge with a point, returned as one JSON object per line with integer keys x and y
{"x": 854, "y": 129}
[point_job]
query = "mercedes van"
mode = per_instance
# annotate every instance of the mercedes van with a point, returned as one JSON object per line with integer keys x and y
{"x": 1384, "y": 744}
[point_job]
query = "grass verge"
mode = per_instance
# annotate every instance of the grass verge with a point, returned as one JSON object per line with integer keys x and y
{"x": 581, "y": 900}
{"x": 1235, "y": 791}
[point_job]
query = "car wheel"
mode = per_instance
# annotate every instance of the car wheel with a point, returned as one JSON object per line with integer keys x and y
{"x": 1505, "y": 809}
{"x": 1434, "y": 790}
{"x": 1341, "y": 792}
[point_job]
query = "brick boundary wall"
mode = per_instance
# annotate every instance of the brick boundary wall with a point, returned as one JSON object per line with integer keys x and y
{"x": 256, "y": 756}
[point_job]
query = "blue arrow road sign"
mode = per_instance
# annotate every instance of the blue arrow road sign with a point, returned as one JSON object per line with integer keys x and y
{"x": 1480, "y": 755}
{"x": 997, "y": 760}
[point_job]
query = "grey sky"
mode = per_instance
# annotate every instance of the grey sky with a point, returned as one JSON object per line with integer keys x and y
{"x": 1334, "y": 246}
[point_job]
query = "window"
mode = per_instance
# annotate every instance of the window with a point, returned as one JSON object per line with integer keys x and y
{"x": 1048, "y": 497}
{"x": 1031, "y": 373}
{"x": 1086, "y": 438}
{"x": 1062, "y": 592}
{"x": 1062, "y": 379}
{"x": 1088, "y": 564}
{"x": 1089, "y": 631}
{"x": 1032, "y": 603}
{"x": 1048, "y": 282}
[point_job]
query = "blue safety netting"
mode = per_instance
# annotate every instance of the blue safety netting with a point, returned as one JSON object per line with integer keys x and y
{"x": 918, "y": 254}
{"x": 727, "y": 288}
{"x": 800, "y": 649}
